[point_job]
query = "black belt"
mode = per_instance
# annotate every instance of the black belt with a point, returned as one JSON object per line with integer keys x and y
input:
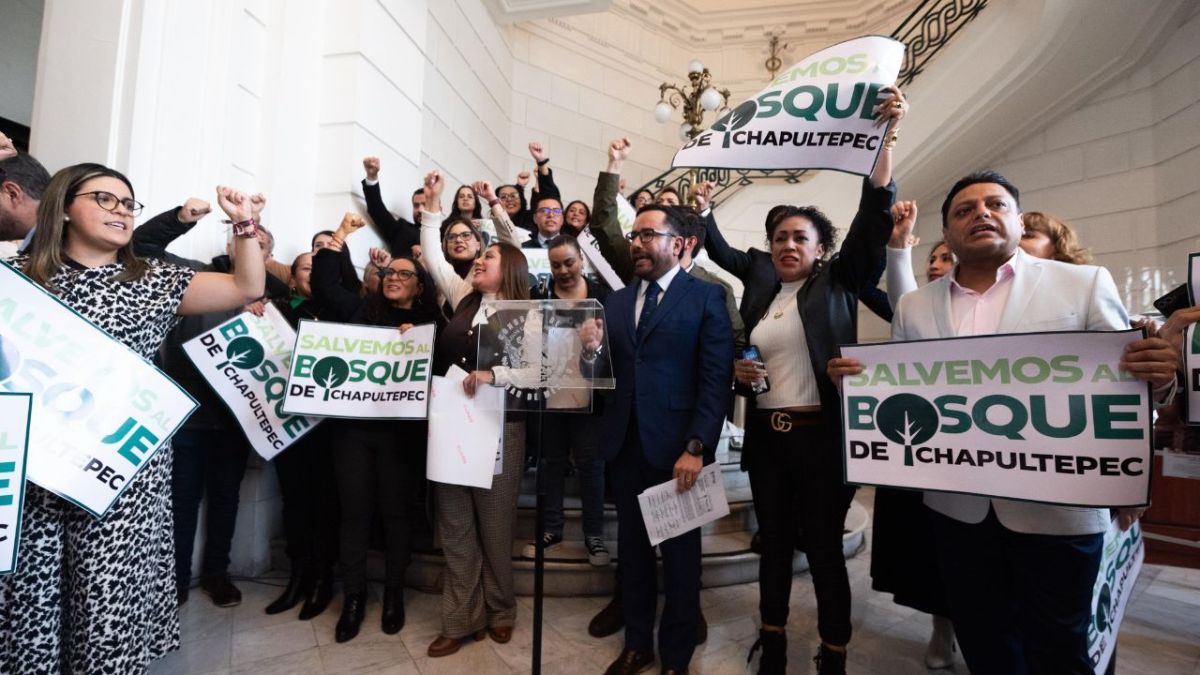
{"x": 784, "y": 420}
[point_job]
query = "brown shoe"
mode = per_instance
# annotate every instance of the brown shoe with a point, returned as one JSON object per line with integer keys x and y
{"x": 445, "y": 646}
{"x": 501, "y": 634}
{"x": 608, "y": 620}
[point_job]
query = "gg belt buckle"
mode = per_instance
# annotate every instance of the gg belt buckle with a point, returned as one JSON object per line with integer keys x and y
{"x": 781, "y": 421}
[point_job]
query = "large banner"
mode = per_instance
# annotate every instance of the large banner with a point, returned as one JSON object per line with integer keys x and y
{"x": 1194, "y": 278}
{"x": 15, "y": 410}
{"x": 1191, "y": 373}
{"x": 1120, "y": 564}
{"x": 354, "y": 371}
{"x": 100, "y": 411}
{"x": 1044, "y": 417}
{"x": 818, "y": 114}
{"x": 246, "y": 361}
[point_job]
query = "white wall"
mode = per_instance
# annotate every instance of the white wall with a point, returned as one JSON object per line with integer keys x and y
{"x": 19, "y": 33}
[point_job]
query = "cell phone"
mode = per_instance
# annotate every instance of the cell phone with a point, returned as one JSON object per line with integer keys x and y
{"x": 751, "y": 353}
{"x": 1174, "y": 300}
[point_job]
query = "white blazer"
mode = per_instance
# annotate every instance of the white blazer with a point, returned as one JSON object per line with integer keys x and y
{"x": 1046, "y": 295}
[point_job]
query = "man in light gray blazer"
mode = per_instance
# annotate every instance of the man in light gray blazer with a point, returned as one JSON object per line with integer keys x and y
{"x": 1019, "y": 575}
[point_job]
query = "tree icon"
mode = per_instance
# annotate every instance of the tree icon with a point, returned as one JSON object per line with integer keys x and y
{"x": 735, "y": 119}
{"x": 907, "y": 419}
{"x": 244, "y": 352}
{"x": 329, "y": 373}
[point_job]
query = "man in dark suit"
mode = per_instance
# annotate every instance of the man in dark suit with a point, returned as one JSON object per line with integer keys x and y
{"x": 548, "y": 217}
{"x": 671, "y": 345}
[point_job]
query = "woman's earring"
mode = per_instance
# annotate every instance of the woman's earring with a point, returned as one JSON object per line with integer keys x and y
{"x": 66, "y": 219}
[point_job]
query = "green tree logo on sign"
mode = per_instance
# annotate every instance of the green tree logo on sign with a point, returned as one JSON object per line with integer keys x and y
{"x": 735, "y": 119}
{"x": 244, "y": 352}
{"x": 907, "y": 419}
{"x": 330, "y": 373}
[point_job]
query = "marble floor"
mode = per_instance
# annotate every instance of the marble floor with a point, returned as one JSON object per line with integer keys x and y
{"x": 1160, "y": 634}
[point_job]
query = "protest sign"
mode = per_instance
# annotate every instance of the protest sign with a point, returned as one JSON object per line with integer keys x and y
{"x": 15, "y": 412}
{"x": 1194, "y": 278}
{"x": 99, "y": 410}
{"x": 595, "y": 260}
{"x": 818, "y": 114}
{"x": 1045, "y": 417}
{"x": 1120, "y": 563}
{"x": 362, "y": 372}
{"x": 1191, "y": 373}
{"x": 466, "y": 434}
{"x": 246, "y": 361}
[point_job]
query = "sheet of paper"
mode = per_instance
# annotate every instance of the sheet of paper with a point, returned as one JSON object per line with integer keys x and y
{"x": 463, "y": 431}
{"x": 668, "y": 513}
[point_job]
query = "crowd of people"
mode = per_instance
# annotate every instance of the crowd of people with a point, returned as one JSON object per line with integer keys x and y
{"x": 102, "y": 595}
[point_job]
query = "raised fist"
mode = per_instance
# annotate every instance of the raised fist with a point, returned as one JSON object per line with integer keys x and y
{"x": 434, "y": 183}
{"x": 258, "y": 202}
{"x": 484, "y": 190}
{"x": 537, "y": 152}
{"x": 193, "y": 210}
{"x": 235, "y": 204}
{"x": 523, "y": 178}
{"x": 703, "y": 192}
{"x": 351, "y": 223}
{"x": 904, "y": 217}
{"x": 379, "y": 258}
{"x": 7, "y": 149}
{"x": 618, "y": 150}
{"x": 371, "y": 166}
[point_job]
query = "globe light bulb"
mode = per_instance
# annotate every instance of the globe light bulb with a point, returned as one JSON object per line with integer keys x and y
{"x": 662, "y": 112}
{"x": 710, "y": 99}
{"x": 695, "y": 66}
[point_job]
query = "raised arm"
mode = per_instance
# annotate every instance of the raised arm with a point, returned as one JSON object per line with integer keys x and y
{"x": 453, "y": 287}
{"x": 545, "y": 177}
{"x": 888, "y": 113}
{"x": 397, "y": 232}
{"x": 900, "y": 277}
{"x": 728, "y": 258}
{"x": 605, "y": 225}
{"x": 505, "y": 229}
{"x": 215, "y": 292}
{"x": 326, "y": 282}
{"x": 151, "y": 238}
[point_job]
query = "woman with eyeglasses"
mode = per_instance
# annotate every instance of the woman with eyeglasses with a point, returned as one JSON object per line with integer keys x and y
{"x": 97, "y": 595}
{"x": 378, "y": 463}
{"x": 641, "y": 198}
{"x": 476, "y": 524}
{"x": 799, "y": 305}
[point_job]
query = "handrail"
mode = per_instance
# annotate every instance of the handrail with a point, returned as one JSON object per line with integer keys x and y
{"x": 924, "y": 32}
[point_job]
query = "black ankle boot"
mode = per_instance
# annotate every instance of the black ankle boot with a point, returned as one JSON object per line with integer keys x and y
{"x": 318, "y": 597}
{"x": 774, "y": 652}
{"x": 293, "y": 593}
{"x": 393, "y": 610}
{"x": 830, "y": 662}
{"x": 354, "y": 607}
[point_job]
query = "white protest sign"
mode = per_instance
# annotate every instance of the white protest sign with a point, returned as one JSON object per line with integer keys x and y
{"x": 246, "y": 361}
{"x": 99, "y": 410}
{"x": 362, "y": 372}
{"x": 464, "y": 432}
{"x": 1045, "y": 417}
{"x": 596, "y": 260}
{"x": 818, "y": 114}
{"x": 15, "y": 410}
{"x": 1120, "y": 562}
{"x": 538, "y": 260}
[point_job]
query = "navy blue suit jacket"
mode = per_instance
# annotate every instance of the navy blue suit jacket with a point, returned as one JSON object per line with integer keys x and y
{"x": 677, "y": 377}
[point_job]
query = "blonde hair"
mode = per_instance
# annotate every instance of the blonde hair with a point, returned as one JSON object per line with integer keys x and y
{"x": 1061, "y": 236}
{"x": 46, "y": 257}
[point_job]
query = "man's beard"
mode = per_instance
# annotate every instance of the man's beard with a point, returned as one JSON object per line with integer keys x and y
{"x": 11, "y": 228}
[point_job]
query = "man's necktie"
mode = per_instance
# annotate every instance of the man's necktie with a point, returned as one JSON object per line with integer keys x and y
{"x": 648, "y": 307}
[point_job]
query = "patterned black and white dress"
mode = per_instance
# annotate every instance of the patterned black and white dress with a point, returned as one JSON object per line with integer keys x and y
{"x": 98, "y": 596}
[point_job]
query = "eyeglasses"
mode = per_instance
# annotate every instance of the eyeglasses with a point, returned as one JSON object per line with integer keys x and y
{"x": 547, "y": 211}
{"x": 647, "y": 235}
{"x": 109, "y": 202}
{"x": 508, "y": 196}
{"x": 460, "y": 236}
{"x": 404, "y": 275}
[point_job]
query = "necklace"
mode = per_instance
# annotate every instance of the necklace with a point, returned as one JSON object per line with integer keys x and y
{"x": 778, "y": 314}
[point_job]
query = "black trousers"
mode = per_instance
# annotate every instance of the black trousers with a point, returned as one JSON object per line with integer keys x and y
{"x": 1021, "y": 603}
{"x": 310, "y": 499}
{"x": 631, "y": 474}
{"x": 207, "y": 463}
{"x": 796, "y": 478}
{"x": 378, "y": 467}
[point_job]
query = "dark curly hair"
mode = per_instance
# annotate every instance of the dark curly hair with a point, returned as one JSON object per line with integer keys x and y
{"x": 825, "y": 228}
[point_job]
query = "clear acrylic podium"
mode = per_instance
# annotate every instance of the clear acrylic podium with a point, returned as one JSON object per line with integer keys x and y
{"x": 535, "y": 350}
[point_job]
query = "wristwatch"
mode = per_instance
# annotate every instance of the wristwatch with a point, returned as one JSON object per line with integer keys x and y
{"x": 695, "y": 447}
